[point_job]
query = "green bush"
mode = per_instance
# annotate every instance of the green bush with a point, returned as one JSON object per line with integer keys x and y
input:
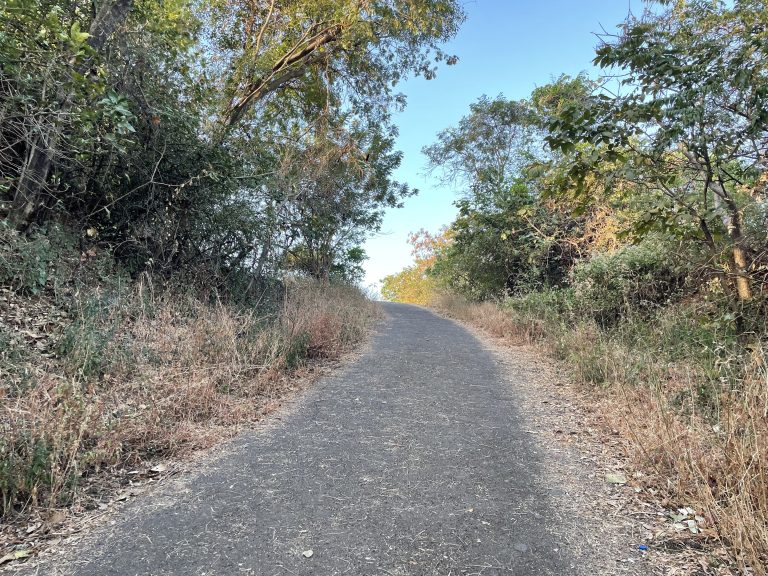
{"x": 91, "y": 345}
{"x": 24, "y": 469}
{"x": 554, "y": 305}
{"x": 24, "y": 260}
{"x": 15, "y": 358}
{"x": 635, "y": 280}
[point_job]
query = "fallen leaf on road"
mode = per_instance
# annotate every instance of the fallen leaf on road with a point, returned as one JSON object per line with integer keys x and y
{"x": 57, "y": 517}
{"x": 17, "y": 555}
{"x": 615, "y": 478}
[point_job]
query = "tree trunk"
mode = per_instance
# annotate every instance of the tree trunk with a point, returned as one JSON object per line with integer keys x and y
{"x": 289, "y": 67}
{"x": 34, "y": 174}
{"x": 110, "y": 17}
{"x": 723, "y": 201}
{"x": 258, "y": 272}
{"x": 43, "y": 149}
{"x": 740, "y": 259}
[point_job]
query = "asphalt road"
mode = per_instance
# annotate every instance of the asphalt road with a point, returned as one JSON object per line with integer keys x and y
{"x": 410, "y": 461}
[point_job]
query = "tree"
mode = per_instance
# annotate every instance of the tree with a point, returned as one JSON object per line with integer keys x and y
{"x": 692, "y": 127}
{"x": 504, "y": 238}
{"x": 488, "y": 149}
{"x": 415, "y": 284}
{"x": 342, "y": 177}
{"x": 298, "y": 59}
{"x": 63, "y": 87}
{"x": 348, "y": 49}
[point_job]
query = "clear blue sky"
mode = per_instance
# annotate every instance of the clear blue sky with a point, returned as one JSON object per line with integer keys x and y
{"x": 505, "y": 47}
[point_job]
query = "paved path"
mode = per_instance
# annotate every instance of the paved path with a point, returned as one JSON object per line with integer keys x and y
{"x": 411, "y": 461}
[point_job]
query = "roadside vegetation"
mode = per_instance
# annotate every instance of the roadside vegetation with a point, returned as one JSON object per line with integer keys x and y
{"x": 622, "y": 223}
{"x": 185, "y": 187}
{"x": 100, "y": 382}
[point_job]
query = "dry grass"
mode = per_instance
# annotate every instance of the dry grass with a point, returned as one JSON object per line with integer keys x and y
{"x": 157, "y": 376}
{"x": 716, "y": 465}
{"x": 697, "y": 429}
{"x": 490, "y": 317}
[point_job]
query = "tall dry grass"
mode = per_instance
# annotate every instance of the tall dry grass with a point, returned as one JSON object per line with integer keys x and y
{"x": 695, "y": 424}
{"x": 152, "y": 376}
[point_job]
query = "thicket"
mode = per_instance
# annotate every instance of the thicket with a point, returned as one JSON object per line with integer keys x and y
{"x": 623, "y": 221}
{"x": 172, "y": 175}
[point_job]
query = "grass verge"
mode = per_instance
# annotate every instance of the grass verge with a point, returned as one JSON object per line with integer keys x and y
{"x": 116, "y": 379}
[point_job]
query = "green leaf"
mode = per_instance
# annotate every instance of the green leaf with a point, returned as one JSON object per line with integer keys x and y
{"x": 16, "y": 555}
{"x": 76, "y": 35}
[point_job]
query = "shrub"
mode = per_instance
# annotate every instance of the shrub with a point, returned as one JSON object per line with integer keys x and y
{"x": 632, "y": 280}
{"x": 554, "y": 305}
{"x": 24, "y": 261}
{"x": 91, "y": 345}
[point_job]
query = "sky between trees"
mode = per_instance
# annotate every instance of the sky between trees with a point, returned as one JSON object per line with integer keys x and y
{"x": 508, "y": 47}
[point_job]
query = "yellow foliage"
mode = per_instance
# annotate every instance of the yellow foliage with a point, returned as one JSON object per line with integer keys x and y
{"x": 411, "y": 286}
